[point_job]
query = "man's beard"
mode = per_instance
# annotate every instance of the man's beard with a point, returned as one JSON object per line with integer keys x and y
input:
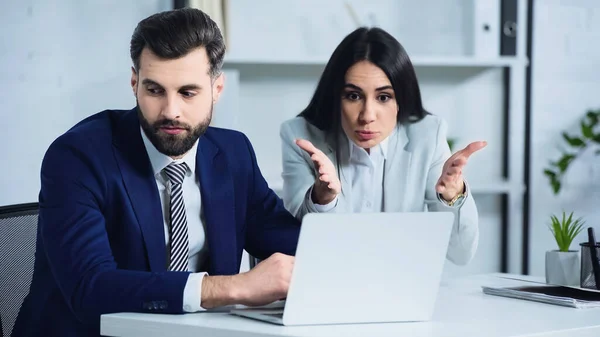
{"x": 173, "y": 145}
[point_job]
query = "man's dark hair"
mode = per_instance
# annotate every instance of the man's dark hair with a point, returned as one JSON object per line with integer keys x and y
{"x": 173, "y": 34}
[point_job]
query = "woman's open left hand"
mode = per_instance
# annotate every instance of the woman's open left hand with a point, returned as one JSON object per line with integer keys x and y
{"x": 451, "y": 182}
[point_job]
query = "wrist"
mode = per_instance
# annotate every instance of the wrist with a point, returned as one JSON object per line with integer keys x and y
{"x": 237, "y": 291}
{"x": 219, "y": 291}
{"x": 320, "y": 197}
{"x": 455, "y": 201}
{"x": 450, "y": 198}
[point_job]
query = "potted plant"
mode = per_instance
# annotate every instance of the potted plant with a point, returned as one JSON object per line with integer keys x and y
{"x": 563, "y": 264}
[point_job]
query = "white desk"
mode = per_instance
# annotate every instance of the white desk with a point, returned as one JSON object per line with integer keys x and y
{"x": 461, "y": 310}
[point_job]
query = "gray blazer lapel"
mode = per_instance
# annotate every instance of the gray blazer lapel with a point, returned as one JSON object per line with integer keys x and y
{"x": 397, "y": 172}
{"x": 342, "y": 166}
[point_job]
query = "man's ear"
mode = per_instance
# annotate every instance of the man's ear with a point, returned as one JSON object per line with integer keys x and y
{"x": 218, "y": 84}
{"x": 134, "y": 81}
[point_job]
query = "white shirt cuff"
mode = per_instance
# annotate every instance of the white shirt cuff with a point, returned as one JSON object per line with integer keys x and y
{"x": 192, "y": 293}
{"x": 320, "y": 208}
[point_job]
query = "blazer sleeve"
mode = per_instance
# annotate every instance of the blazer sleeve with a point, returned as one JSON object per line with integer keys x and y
{"x": 72, "y": 231}
{"x": 270, "y": 227}
{"x": 465, "y": 232}
{"x": 298, "y": 175}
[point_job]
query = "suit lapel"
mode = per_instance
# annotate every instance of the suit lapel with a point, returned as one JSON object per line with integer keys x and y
{"x": 216, "y": 186}
{"x": 396, "y": 171}
{"x": 344, "y": 198}
{"x": 140, "y": 184}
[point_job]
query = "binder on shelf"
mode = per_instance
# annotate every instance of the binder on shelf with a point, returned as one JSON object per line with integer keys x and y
{"x": 214, "y": 8}
{"x": 508, "y": 28}
{"x": 179, "y": 4}
{"x": 486, "y": 37}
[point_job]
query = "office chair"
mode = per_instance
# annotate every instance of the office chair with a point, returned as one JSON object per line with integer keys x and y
{"x": 18, "y": 232}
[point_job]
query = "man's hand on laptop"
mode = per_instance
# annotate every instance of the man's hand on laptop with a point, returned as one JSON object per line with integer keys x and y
{"x": 266, "y": 283}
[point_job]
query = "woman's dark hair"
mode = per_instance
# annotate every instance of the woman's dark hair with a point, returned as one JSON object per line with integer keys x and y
{"x": 383, "y": 50}
{"x": 173, "y": 34}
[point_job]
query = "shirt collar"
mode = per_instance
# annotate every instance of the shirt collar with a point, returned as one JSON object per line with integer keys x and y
{"x": 382, "y": 147}
{"x": 159, "y": 160}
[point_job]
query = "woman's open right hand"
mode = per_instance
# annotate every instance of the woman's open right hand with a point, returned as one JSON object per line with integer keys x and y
{"x": 327, "y": 184}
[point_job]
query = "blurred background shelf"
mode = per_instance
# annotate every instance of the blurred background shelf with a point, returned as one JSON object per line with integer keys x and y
{"x": 418, "y": 61}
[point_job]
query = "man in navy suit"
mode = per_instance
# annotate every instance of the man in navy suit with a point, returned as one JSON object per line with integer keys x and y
{"x": 148, "y": 210}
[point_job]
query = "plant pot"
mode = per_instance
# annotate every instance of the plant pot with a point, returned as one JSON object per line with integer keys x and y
{"x": 563, "y": 268}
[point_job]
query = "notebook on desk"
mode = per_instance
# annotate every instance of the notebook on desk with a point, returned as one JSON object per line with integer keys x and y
{"x": 551, "y": 294}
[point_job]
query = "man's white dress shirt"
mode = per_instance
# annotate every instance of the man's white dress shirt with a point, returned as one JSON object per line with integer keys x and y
{"x": 198, "y": 247}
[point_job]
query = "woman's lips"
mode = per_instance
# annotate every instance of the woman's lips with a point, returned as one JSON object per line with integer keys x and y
{"x": 366, "y": 135}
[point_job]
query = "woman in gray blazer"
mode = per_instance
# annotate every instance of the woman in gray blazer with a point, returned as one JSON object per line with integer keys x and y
{"x": 365, "y": 143}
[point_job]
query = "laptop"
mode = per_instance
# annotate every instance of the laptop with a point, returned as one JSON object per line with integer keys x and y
{"x": 364, "y": 268}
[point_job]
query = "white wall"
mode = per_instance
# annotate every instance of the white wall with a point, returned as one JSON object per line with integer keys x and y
{"x": 565, "y": 84}
{"x": 60, "y": 61}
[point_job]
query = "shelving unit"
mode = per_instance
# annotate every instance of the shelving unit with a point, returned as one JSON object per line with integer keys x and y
{"x": 275, "y": 64}
{"x": 424, "y": 61}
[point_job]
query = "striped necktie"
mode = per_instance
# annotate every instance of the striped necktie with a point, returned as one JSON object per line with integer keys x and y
{"x": 178, "y": 231}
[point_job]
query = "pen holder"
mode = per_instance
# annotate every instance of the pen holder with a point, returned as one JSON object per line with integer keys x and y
{"x": 587, "y": 271}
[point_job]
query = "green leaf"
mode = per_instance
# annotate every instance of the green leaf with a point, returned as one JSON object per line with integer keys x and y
{"x": 554, "y": 181}
{"x": 573, "y": 141}
{"x": 555, "y": 185}
{"x": 587, "y": 130}
{"x": 564, "y": 231}
{"x": 596, "y": 138}
{"x": 557, "y": 232}
{"x": 569, "y": 220}
{"x": 564, "y": 162}
{"x": 593, "y": 116}
{"x": 575, "y": 228}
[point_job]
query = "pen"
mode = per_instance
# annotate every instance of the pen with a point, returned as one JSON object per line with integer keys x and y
{"x": 594, "y": 255}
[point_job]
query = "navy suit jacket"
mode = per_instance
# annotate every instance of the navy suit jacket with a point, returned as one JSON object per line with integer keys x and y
{"x": 100, "y": 243}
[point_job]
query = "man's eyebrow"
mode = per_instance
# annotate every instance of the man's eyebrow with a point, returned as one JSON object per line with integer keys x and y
{"x": 190, "y": 87}
{"x": 148, "y": 81}
{"x": 185, "y": 87}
